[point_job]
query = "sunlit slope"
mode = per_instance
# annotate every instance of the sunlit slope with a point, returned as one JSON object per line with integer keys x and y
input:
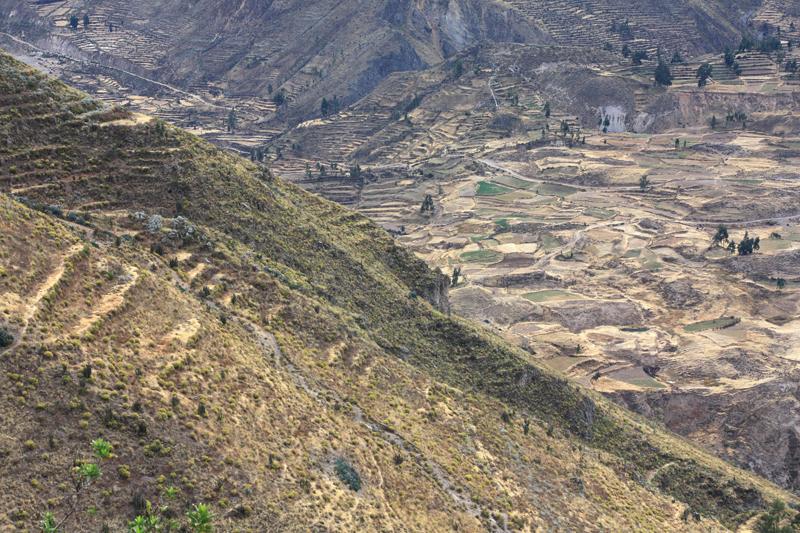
{"x": 244, "y": 344}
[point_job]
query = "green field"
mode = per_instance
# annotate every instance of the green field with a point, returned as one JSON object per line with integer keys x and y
{"x": 481, "y": 256}
{"x": 719, "y": 323}
{"x": 550, "y": 295}
{"x": 600, "y": 213}
{"x": 554, "y": 189}
{"x": 516, "y": 183}
{"x": 486, "y": 188}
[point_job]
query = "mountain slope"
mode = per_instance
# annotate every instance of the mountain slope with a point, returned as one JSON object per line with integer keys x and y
{"x": 260, "y": 349}
{"x": 310, "y": 50}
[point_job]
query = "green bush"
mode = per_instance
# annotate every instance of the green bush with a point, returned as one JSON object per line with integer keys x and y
{"x": 102, "y": 448}
{"x": 6, "y": 338}
{"x": 348, "y": 475}
{"x": 200, "y": 519}
{"x": 49, "y": 523}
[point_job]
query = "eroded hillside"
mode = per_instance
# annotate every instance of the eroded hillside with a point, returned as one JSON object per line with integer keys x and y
{"x": 246, "y": 345}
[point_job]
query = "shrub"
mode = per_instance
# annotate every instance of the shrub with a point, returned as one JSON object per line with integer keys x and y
{"x": 89, "y": 471}
{"x": 102, "y": 448}
{"x": 348, "y": 475}
{"x": 49, "y": 523}
{"x": 200, "y": 519}
{"x": 6, "y": 338}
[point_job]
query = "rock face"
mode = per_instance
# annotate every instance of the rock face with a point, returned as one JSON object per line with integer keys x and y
{"x": 765, "y": 417}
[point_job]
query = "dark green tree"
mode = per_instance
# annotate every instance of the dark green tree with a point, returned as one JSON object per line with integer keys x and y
{"x": 86, "y": 21}
{"x": 455, "y": 277}
{"x": 325, "y": 107}
{"x": 231, "y": 122}
{"x": 704, "y": 72}
{"x": 73, "y": 22}
{"x": 720, "y": 236}
{"x": 730, "y": 57}
{"x": 663, "y": 74}
{"x": 639, "y": 56}
{"x": 427, "y": 204}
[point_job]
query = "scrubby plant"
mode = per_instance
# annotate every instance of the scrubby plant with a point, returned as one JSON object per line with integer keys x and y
{"x": 89, "y": 471}
{"x": 102, "y": 448}
{"x": 348, "y": 475}
{"x": 148, "y": 522}
{"x": 201, "y": 518}
{"x": 48, "y": 524}
{"x": 778, "y": 520}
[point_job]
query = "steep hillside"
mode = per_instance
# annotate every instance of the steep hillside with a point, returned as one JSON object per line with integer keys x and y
{"x": 246, "y": 345}
{"x": 288, "y": 55}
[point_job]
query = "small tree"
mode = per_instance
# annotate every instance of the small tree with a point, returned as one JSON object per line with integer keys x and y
{"x": 325, "y": 107}
{"x": 427, "y": 204}
{"x": 86, "y": 21}
{"x": 458, "y": 69}
{"x": 644, "y": 183}
{"x": 232, "y": 119}
{"x": 73, "y": 22}
{"x": 720, "y": 236}
{"x": 713, "y": 122}
{"x": 456, "y": 276}
{"x": 546, "y": 109}
{"x": 704, "y": 72}
{"x": 663, "y": 74}
{"x": 639, "y": 56}
{"x": 730, "y": 57}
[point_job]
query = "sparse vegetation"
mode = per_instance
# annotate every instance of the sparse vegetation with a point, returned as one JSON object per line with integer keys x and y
{"x": 318, "y": 328}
